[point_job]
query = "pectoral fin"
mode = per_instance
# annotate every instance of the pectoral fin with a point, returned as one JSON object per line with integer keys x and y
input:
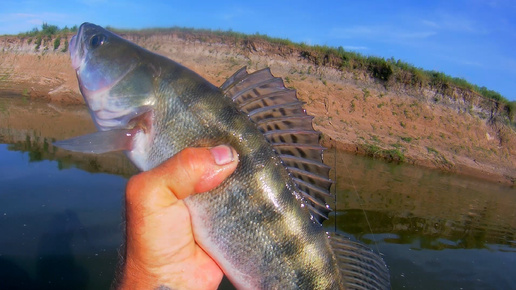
{"x": 99, "y": 142}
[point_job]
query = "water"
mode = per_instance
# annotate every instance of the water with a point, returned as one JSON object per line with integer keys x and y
{"x": 435, "y": 230}
{"x": 61, "y": 213}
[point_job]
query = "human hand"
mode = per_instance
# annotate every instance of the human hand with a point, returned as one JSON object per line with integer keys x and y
{"x": 160, "y": 248}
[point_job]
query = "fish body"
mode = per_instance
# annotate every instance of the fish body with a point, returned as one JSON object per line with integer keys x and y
{"x": 259, "y": 225}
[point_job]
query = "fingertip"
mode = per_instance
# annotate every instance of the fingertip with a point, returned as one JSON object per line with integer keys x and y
{"x": 223, "y": 154}
{"x": 225, "y": 160}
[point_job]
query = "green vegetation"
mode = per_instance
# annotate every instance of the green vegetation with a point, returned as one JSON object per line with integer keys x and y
{"x": 432, "y": 150}
{"x": 57, "y": 42}
{"x": 65, "y": 48}
{"x": 46, "y": 34}
{"x": 406, "y": 139}
{"x": 48, "y": 31}
{"x": 391, "y": 155}
{"x": 38, "y": 43}
{"x": 5, "y": 74}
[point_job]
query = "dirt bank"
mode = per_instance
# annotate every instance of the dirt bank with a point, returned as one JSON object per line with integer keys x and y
{"x": 353, "y": 111}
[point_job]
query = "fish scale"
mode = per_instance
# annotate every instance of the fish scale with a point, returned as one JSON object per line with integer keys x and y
{"x": 261, "y": 225}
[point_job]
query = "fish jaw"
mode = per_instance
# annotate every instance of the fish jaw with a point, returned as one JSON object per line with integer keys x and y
{"x": 75, "y": 57}
{"x": 107, "y": 73}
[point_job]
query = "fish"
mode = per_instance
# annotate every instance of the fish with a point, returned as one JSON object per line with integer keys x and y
{"x": 262, "y": 225}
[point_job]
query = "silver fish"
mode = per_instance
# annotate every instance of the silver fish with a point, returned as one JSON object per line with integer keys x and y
{"x": 262, "y": 225}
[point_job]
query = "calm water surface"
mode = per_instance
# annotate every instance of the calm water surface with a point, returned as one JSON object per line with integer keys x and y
{"x": 61, "y": 212}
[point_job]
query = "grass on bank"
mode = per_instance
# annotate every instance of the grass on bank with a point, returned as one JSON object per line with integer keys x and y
{"x": 385, "y": 70}
{"x": 48, "y": 30}
{"x": 46, "y": 34}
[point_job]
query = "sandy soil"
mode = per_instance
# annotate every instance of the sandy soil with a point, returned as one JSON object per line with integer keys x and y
{"x": 353, "y": 112}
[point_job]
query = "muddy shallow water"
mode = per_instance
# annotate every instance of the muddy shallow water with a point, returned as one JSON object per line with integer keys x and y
{"x": 61, "y": 212}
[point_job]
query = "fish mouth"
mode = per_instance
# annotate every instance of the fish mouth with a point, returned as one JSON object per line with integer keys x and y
{"x": 73, "y": 53}
{"x": 107, "y": 115}
{"x": 78, "y": 51}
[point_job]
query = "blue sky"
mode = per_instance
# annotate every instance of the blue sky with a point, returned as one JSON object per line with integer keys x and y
{"x": 474, "y": 40}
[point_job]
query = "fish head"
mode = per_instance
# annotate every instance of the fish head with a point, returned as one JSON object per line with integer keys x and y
{"x": 114, "y": 81}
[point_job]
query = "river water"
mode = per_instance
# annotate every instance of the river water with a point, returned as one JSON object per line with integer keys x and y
{"x": 61, "y": 213}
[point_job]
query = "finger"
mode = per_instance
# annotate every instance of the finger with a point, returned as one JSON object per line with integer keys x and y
{"x": 192, "y": 170}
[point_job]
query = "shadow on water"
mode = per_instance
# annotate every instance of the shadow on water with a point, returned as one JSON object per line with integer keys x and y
{"x": 13, "y": 276}
{"x": 56, "y": 267}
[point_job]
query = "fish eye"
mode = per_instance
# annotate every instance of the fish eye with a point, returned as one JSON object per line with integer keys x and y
{"x": 97, "y": 40}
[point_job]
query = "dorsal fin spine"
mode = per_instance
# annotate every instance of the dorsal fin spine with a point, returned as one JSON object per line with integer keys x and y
{"x": 320, "y": 213}
{"x": 284, "y": 118}
{"x": 305, "y": 146}
{"x": 309, "y": 161}
{"x": 314, "y": 200}
{"x": 288, "y": 105}
{"x": 253, "y": 101}
{"x": 257, "y": 85}
{"x": 290, "y": 131}
{"x": 312, "y": 175}
{"x": 311, "y": 186}
{"x": 234, "y": 79}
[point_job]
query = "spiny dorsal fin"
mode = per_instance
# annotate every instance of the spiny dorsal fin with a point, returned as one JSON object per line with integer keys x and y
{"x": 280, "y": 116}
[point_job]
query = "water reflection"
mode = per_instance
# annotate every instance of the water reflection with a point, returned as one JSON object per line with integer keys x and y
{"x": 39, "y": 149}
{"x": 421, "y": 233}
{"x": 408, "y": 201}
{"x": 61, "y": 228}
{"x": 435, "y": 230}
{"x": 33, "y": 126}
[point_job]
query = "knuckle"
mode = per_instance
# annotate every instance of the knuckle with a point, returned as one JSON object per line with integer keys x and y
{"x": 191, "y": 160}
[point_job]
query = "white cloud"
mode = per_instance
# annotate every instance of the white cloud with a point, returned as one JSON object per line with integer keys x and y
{"x": 430, "y": 23}
{"x": 235, "y": 13}
{"x": 446, "y": 22}
{"x": 380, "y": 32}
{"x": 13, "y": 23}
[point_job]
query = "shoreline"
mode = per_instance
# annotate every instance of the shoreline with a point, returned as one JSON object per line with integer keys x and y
{"x": 488, "y": 174}
{"x": 479, "y": 171}
{"x": 354, "y": 112}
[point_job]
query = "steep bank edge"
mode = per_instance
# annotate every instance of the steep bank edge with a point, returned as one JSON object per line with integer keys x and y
{"x": 353, "y": 110}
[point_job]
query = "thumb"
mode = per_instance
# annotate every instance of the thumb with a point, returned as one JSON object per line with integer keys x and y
{"x": 191, "y": 171}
